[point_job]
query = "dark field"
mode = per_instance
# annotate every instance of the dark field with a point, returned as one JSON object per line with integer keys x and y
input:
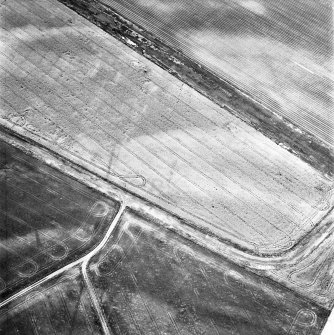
{"x": 145, "y": 280}
{"x": 150, "y": 281}
{"x": 62, "y": 306}
{"x": 46, "y": 219}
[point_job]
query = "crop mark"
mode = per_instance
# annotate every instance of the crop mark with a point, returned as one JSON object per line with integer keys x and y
{"x": 44, "y": 250}
{"x": 51, "y": 176}
{"x": 2, "y": 285}
{"x": 75, "y": 234}
{"x": 120, "y": 250}
{"x": 41, "y": 201}
{"x": 134, "y": 180}
{"x": 130, "y": 312}
{"x": 79, "y": 306}
{"x": 71, "y": 265}
{"x": 47, "y": 237}
{"x": 304, "y": 320}
{"x": 94, "y": 298}
{"x": 99, "y": 267}
{"x": 45, "y": 311}
{"x": 27, "y": 260}
{"x": 235, "y": 214}
{"x": 149, "y": 312}
{"x": 72, "y": 317}
{"x": 99, "y": 209}
{"x": 208, "y": 281}
{"x": 327, "y": 202}
{"x": 325, "y": 266}
{"x": 218, "y": 295}
{"x": 173, "y": 323}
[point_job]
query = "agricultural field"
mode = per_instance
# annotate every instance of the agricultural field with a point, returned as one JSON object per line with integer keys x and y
{"x": 62, "y": 306}
{"x": 47, "y": 219}
{"x": 82, "y": 92}
{"x": 148, "y": 280}
{"x": 130, "y": 268}
{"x": 279, "y": 52}
{"x": 151, "y": 281}
{"x": 148, "y": 185}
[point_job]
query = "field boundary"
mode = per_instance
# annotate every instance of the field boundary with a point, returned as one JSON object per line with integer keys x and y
{"x": 300, "y": 142}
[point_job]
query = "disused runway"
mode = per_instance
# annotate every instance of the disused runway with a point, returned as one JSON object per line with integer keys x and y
{"x": 75, "y": 93}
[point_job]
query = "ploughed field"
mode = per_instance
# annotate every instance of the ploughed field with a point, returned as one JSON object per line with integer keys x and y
{"x": 280, "y": 52}
{"x": 86, "y": 95}
{"x": 132, "y": 204}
